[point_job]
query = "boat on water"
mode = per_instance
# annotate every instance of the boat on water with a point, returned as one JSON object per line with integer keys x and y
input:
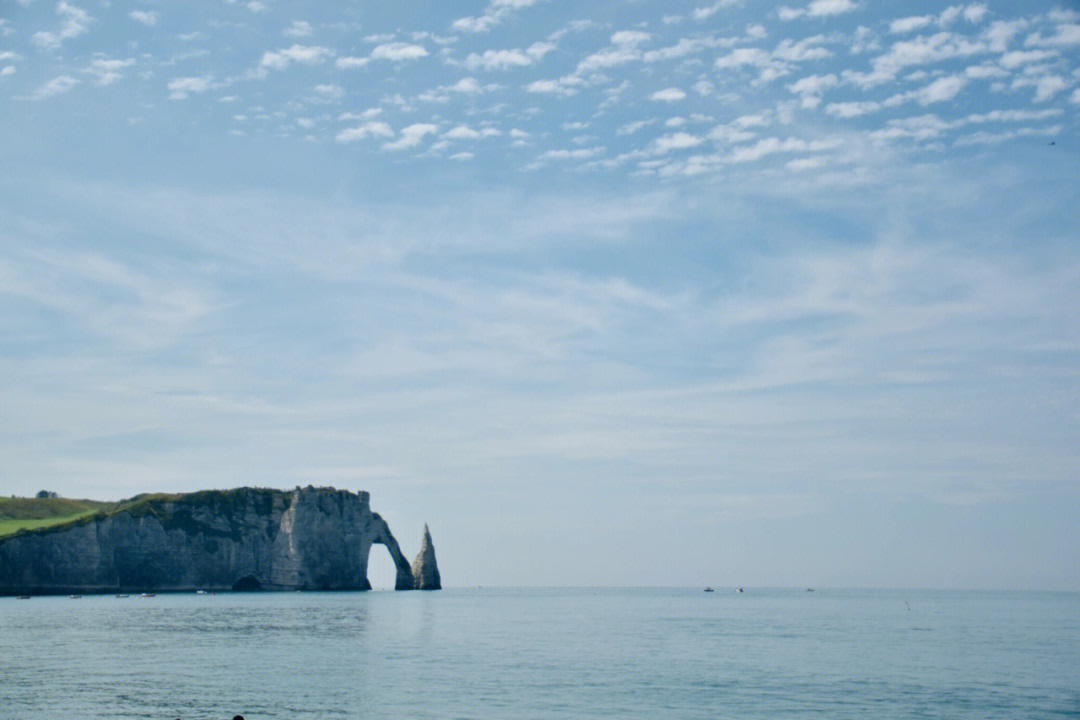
{"x": 148, "y": 595}
{"x": 75, "y": 597}
{"x": 708, "y": 589}
{"x": 123, "y": 596}
{"x": 200, "y": 592}
{"x": 740, "y": 588}
{"x": 23, "y": 597}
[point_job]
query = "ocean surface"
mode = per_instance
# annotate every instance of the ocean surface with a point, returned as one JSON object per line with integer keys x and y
{"x": 540, "y": 653}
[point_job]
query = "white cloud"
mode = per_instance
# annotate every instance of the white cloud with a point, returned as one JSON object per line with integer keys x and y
{"x": 365, "y": 115}
{"x": 1065, "y": 35}
{"x": 824, "y": 8}
{"x": 563, "y": 86}
{"x": 683, "y": 47}
{"x": 493, "y": 14}
{"x": 468, "y": 86}
{"x": 907, "y": 24}
{"x": 398, "y": 51}
{"x": 773, "y": 145}
{"x": 107, "y": 71}
{"x": 464, "y": 132}
{"x": 743, "y": 56}
{"x": 704, "y": 13}
{"x": 811, "y": 87}
{"x": 464, "y": 86}
{"x": 945, "y": 88}
{"x": 461, "y": 132}
{"x": 498, "y": 60}
{"x": 578, "y": 154}
{"x": 629, "y": 37}
{"x": 56, "y": 86}
{"x": 1014, "y": 115}
{"x": 984, "y": 71}
{"x": 411, "y": 136}
{"x": 922, "y": 127}
{"x": 348, "y": 63}
{"x": 806, "y": 163}
{"x": 975, "y": 13}
{"x": 180, "y": 88}
{"x": 368, "y": 129}
{"x": 802, "y": 50}
{"x": 675, "y": 141}
{"x": 1001, "y": 32}
{"x": 256, "y": 6}
{"x": 633, "y": 127}
{"x": 75, "y": 22}
{"x": 942, "y": 89}
{"x": 670, "y": 94}
{"x": 917, "y": 51}
{"x": 146, "y": 17}
{"x": 328, "y": 92}
{"x": 304, "y": 54}
{"x": 1017, "y": 58}
{"x": 298, "y": 28}
{"x": 817, "y": 8}
{"x": 1075, "y": 97}
{"x": 852, "y": 109}
{"x": 1046, "y": 86}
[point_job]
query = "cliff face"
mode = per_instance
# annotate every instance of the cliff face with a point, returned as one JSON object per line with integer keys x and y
{"x": 308, "y": 539}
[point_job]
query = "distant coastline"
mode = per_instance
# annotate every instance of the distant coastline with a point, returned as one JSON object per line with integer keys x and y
{"x": 215, "y": 540}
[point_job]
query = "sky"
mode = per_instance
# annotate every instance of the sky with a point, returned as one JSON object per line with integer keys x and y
{"x": 612, "y": 293}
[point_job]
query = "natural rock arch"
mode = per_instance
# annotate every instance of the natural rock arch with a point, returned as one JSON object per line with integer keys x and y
{"x": 383, "y": 536}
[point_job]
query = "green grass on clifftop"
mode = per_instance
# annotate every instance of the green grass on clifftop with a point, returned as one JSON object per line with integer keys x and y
{"x": 29, "y": 513}
{"x": 173, "y": 510}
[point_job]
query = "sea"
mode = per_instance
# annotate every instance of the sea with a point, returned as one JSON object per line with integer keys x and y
{"x": 544, "y": 653}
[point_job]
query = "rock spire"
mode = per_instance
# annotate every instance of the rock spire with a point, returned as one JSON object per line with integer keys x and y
{"x": 424, "y": 568}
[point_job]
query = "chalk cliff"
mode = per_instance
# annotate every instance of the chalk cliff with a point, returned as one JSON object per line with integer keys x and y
{"x": 307, "y": 539}
{"x": 425, "y": 571}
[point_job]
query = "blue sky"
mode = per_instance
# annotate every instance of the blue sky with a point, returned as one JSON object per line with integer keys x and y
{"x": 615, "y": 294}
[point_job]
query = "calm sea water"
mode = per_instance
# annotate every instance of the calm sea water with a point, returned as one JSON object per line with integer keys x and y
{"x": 544, "y": 654}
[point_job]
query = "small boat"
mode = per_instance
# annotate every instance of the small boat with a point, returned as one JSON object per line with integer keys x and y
{"x": 123, "y": 596}
{"x": 23, "y": 597}
{"x": 75, "y": 597}
{"x": 200, "y": 592}
{"x": 708, "y": 589}
{"x": 809, "y": 589}
{"x": 146, "y": 595}
{"x": 740, "y": 588}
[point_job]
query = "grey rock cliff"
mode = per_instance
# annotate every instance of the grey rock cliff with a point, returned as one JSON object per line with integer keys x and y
{"x": 307, "y": 539}
{"x": 425, "y": 571}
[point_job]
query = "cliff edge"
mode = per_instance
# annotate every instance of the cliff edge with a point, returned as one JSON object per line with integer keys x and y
{"x": 242, "y": 539}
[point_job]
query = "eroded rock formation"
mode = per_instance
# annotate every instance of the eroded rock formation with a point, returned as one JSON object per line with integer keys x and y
{"x": 307, "y": 539}
{"x": 425, "y": 571}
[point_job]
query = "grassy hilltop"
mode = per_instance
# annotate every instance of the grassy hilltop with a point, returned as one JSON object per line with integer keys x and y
{"x": 18, "y": 513}
{"x": 29, "y": 513}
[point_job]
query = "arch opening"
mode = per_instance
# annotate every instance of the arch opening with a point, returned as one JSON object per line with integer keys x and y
{"x": 381, "y": 569}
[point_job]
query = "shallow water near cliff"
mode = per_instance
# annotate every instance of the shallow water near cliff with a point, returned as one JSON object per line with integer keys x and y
{"x": 538, "y": 653}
